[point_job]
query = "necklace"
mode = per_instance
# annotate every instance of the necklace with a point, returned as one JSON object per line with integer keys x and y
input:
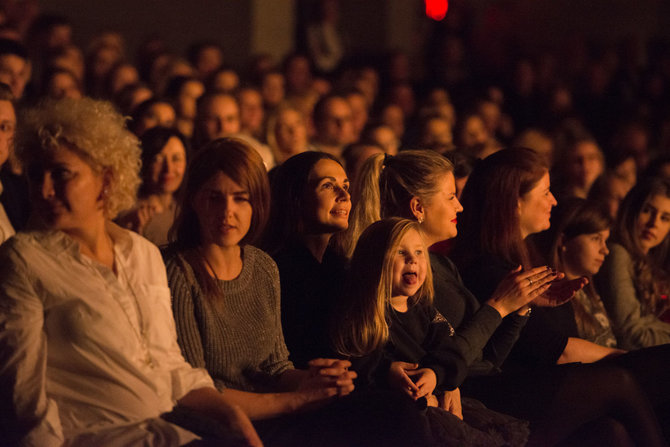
{"x": 141, "y": 331}
{"x": 208, "y": 264}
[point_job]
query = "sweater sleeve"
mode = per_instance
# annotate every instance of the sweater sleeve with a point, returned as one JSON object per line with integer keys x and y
{"x": 615, "y": 284}
{"x": 184, "y": 297}
{"x": 277, "y": 362}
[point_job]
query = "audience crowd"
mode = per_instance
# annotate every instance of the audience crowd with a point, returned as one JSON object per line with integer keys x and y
{"x": 330, "y": 249}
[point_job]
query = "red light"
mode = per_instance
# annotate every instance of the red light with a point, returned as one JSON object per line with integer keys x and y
{"x": 437, "y": 9}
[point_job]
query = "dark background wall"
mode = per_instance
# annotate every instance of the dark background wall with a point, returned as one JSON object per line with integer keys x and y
{"x": 368, "y": 24}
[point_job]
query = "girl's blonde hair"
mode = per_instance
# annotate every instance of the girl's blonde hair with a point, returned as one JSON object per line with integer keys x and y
{"x": 361, "y": 324}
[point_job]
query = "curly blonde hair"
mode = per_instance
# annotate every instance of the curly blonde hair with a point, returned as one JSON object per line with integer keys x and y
{"x": 96, "y": 132}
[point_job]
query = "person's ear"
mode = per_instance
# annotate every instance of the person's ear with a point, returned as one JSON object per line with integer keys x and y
{"x": 106, "y": 185}
{"x": 417, "y": 209}
{"x": 561, "y": 242}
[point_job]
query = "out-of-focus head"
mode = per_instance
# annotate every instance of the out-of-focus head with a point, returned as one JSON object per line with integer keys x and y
{"x": 151, "y": 113}
{"x": 60, "y": 83}
{"x": 7, "y": 123}
{"x": 164, "y": 154}
{"x": 287, "y": 132}
{"x": 218, "y": 116}
{"x": 333, "y": 121}
{"x": 14, "y": 66}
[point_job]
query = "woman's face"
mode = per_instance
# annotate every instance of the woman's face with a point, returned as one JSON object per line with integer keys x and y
{"x": 327, "y": 200}
{"x": 653, "y": 223}
{"x": 535, "y": 208}
{"x": 441, "y": 211}
{"x": 67, "y": 193}
{"x": 409, "y": 265}
{"x": 168, "y": 166}
{"x": 291, "y": 132}
{"x": 224, "y": 211}
{"x": 583, "y": 255}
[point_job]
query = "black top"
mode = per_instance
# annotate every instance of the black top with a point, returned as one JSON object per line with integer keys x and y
{"x": 490, "y": 337}
{"x": 309, "y": 290}
{"x": 538, "y": 344}
{"x": 422, "y": 335}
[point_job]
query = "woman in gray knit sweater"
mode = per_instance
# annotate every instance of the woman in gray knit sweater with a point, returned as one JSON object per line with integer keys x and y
{"x": 225, "y": 297}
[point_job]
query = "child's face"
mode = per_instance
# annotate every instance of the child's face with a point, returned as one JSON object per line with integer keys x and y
{"x": 409, "y": 265}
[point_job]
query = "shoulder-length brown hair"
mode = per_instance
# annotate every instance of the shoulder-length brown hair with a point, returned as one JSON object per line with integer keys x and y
{"x": 237, "y": 160}
{"x": 489, "y": 222}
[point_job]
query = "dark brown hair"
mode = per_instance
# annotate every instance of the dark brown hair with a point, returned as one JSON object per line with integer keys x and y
{"x": 490, "y": 220}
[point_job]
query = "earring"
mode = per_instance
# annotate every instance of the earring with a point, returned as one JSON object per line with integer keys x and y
{"x": 420, "y": 220}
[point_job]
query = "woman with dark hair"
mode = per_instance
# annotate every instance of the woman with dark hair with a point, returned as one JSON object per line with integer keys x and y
{"x": 310, "y": 203}
{"x": 420, "y": 185}
{"x": 164, "y": 154}
{"x": 634, "y": 282}
{"x": 507, "y": 199}
{"x": 225, "y": 298}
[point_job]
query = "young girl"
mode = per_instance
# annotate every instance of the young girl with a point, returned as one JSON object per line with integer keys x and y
{"x": 389, "y": 308}
{"x": 634, "y": 282}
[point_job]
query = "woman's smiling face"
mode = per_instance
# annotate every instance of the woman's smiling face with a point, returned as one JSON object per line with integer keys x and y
{"x": 535, "y": 208}
{"x": 327, "y": 199}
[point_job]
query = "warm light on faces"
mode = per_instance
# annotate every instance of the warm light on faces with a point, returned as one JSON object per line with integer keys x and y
{"x": 583, "y": 255}
{"x": 535, "y": 208}
{"x": 327, "y": 200}
{"x": 409, "y": 265}
{"x": 441, "y": 211}
{"x": 66, "y": 191}
{"x": 168, "y": 166}
{"x": 653, "y": 223}
{"x": 224, "y": 211}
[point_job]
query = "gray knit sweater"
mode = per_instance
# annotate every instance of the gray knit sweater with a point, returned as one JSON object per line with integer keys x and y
{"x": 240, "y": 342}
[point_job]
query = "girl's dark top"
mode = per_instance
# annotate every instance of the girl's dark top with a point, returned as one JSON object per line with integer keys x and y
{"x": 490, "y": 337}
{"x": 422, "y": 335}
{"x": 539, "y": 344}
{"x": 309, "y": 290}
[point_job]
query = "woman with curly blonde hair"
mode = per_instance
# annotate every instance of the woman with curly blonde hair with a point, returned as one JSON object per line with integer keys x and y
{"x": 88, "y": 350}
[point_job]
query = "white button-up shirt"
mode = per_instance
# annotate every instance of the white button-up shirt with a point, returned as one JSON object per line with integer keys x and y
{"x": 82, "y": 352}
